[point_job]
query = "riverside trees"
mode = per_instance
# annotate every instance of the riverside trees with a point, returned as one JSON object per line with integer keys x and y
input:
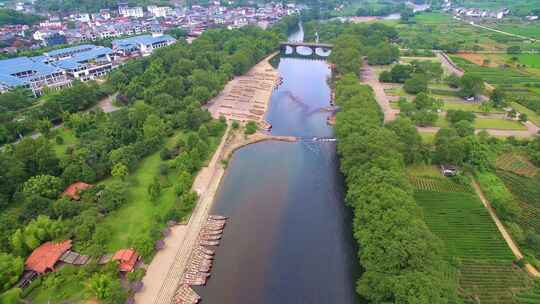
{"x": 402, "y": 259}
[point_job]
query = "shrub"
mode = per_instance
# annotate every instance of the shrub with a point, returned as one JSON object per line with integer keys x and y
{"x": 251, "y": 128}
{"x": 59, "y": 140}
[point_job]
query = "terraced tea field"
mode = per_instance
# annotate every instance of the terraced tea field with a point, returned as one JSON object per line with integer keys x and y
{"x": 486, "y": 270}
{"x": 493, "y": 282}
{"x": 437, "y": 184}
{"x": 516, "y": 163}
{"x": 461, "y": 221}
{"x": 524, "y": 188}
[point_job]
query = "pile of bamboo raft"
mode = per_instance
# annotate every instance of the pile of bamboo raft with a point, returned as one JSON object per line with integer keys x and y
{"x": 200, "y": 262}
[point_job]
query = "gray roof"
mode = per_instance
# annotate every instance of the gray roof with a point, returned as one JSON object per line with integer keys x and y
{"x": 69, "y": 50}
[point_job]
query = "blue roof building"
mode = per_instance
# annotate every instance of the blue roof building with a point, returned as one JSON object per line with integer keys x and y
{"x": 144, "y": 44}
{"x": 32, "y": 74}
{"x": 86, "y": 63}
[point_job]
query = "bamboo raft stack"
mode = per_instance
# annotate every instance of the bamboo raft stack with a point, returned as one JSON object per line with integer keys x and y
{"x": 186, "y": 295}
{"x": 201, "y": 260}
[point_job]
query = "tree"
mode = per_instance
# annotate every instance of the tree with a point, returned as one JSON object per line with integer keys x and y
{"x": 106, "y": 287}
{"x": 410, "y": 138}
{"x": 455, "y": 116}
{"x": 471, "y": 85}
{"x": 523, "y": 117}
{"x": 44, "y": 185}
{"x": 154, "y": 189}
{"x": 486, "y": 107}
{"x": 154, "y": 128}
{"x": 120, "y": 170}
{"x": 184, "y": 182}
{"x": 515, "y": 49}
{"x": 11, "y": 269}
{"x": 44, "y": 127}
{"x": 498, "y": 98}
{"x": 251, "y": 128}
{"x": 416, "y": 84}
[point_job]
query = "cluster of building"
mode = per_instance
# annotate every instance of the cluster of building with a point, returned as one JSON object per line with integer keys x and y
{"x": 58, "y": 68}
{"x": 134, "y": 31}
{"x": 480, "y": 13}
{"x": 134, "y": 20}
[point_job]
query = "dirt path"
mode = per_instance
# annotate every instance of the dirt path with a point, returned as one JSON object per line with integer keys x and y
{"x": 502, "y": 32}
{"x": 515, "y": 249}
{"x": 370, "y": 77}
{"x": 531, "y": 131}
{"x": 448, "y": 64}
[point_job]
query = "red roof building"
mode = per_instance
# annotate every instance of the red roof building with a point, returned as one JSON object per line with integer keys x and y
{"x": 45, "y": 256}
{"x": 72, "y": 191}
{"x": 128, "y": 258}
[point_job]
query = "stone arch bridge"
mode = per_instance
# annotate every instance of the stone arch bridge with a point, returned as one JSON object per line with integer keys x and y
{"x": 325, "y": 47}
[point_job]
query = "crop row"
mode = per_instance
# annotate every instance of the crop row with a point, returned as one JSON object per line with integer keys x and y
{"x": 517, "y": 164}
{"x": 525, "y": 188}
{"x": 464, "y": 225}
{"x": 530, "y": 216}
{"x": 492, "y": 282}
{"x": 437, "y": 184}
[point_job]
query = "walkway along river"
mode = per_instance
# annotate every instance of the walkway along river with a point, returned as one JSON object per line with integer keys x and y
{"x": 288, "y": 238}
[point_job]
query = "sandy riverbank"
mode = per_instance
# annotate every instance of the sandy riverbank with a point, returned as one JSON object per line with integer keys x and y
{"x": 246, "y": 98}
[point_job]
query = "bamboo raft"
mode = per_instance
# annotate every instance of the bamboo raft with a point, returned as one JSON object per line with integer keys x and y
{"x": 197, "y": 271}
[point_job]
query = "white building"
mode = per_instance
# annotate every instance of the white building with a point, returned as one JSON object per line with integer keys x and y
{"x": 144, "y": 44}
{"x": 159, "y": 11}
{"x": 136, "y": 12}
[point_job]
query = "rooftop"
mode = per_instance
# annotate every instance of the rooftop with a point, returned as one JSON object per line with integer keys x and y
{"x": 10, "y": 67}
{"x": 142, "y": 39}
{"x": 79, "y": 58}
{"x": 70, "y": 50}
{"x": 127, "y": 258}
{"x": 73, "y": 190}
{"x": 45, "y": 256}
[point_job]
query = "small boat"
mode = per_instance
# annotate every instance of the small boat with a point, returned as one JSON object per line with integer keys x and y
{"x": 209, "y": 243}
{"x": 210, "y": 237}
{"x": 206, "y": 250}
{"x": 207, "y": 231}
{"x": 217, "y": 217}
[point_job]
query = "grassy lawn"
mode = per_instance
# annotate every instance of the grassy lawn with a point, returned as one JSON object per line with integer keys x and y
{"x": 424, "y": 170}
{"x": 432, "y": 18}
{"x": 533, "y": 116}
{"x": 69, "y": 140}
{"x": 442, "y": 122}
{"x": 140, "y": 212}
{"x": 427, "y": 137}
{"x": 498, "y": 123}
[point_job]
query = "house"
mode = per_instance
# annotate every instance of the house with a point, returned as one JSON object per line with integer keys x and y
{"x": 126, "y": 11}
{"x": 72, "y": 191}
{"x": 127, "y": 259}
{"x": 34, "y": 75}
{"x": 46, "y": 256}
{"x": 144, "y": 44}
{"x": 449, "y": 170}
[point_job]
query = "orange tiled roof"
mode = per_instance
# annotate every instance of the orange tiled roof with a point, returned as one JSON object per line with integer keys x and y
{"x": 45, "y": 256}
{"x": 127, "y": 258}
{"x": 73, "y": 190}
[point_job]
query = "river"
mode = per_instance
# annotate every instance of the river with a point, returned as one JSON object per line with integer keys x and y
{"x": 289, "y": 238}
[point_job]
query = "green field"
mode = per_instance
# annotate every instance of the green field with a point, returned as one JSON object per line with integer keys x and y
{"x": 433, "y": 18}
{"x": 470, "y": 235}
{"x": 526, "y": 29}
{"x": 69, "y": 140}
{"x": 533, "y": 117}
{"x": 530, "y": 60}
{"x": 140, "y": 212}
{"x": 498, "y": 123}
{"x": 462, "y": 222}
